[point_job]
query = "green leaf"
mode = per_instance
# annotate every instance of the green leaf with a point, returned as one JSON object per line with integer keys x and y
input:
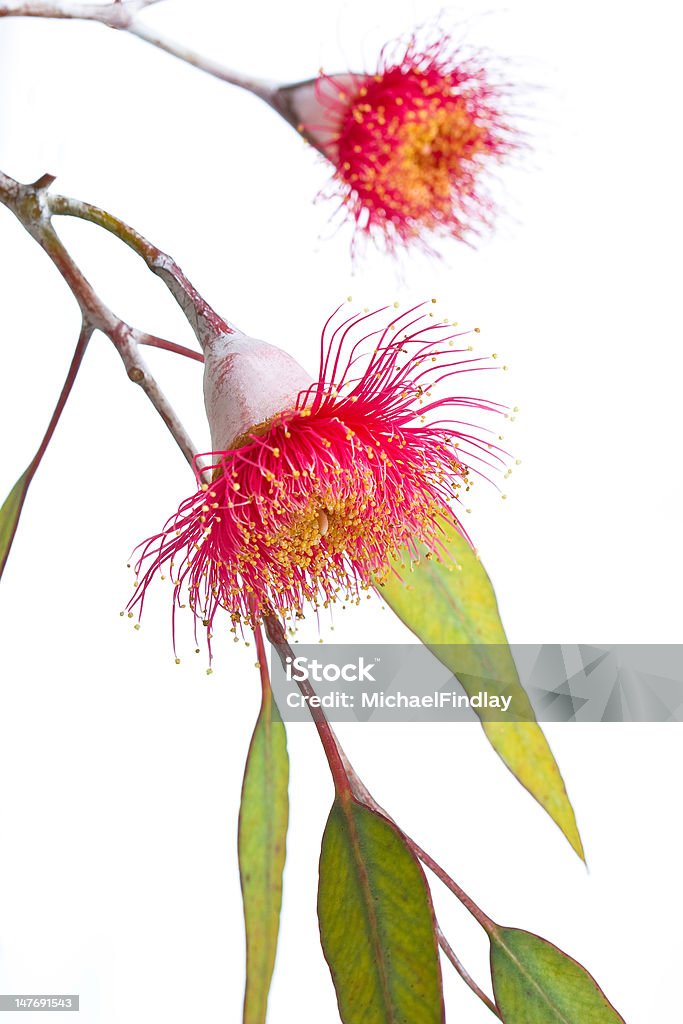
{"x": 376, "y": 922}
{"x": 264, "y": 813}
{"x": 450, "y": 601}
{"x": 536, "y": 983}
{"x": 9, "y": 515}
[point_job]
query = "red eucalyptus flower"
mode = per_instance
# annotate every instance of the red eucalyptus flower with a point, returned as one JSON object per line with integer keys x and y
{"x": 412, "y": 142}
{"x": 317, "y": 486}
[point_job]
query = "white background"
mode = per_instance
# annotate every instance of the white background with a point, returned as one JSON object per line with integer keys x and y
{"x": 120, "y": 771}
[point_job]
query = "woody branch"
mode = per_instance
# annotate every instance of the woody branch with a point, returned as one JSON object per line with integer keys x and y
{"x": 115, "y": 15}
{"x": 124, "y": 17}
{"x": 35, "y": 207}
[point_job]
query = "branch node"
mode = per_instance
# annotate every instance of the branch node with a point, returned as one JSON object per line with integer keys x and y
{"x": 43, "y": 183}
{"x": 160, "y": 261}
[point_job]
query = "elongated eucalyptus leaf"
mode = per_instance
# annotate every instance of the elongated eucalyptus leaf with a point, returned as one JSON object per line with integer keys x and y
{"x": 534, "y": 982}
{"x": 376, "y": 922}
{"x": 450, "y": 601}
{"x": 263, "y": 821}
{"x": 9, "y": 516}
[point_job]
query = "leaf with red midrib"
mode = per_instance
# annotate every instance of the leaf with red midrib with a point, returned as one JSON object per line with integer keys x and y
{"x": 534, "y": 982}
{"x": 376, "y": 921}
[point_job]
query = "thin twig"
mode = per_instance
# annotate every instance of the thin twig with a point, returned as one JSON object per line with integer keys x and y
{"x": 276, "y": 635}
{"x": 76, "y": 360}
{"x": 266, "y": 691}
{"x": 204, "y": 320}
{"x": 168, "y": 346}
{"x": 477, "y": 913}
{"x": 259, "y": 87}
{"x": 123, "y": 16}
{"x": 31, "y": 205}
{"x": 464, "y": 974}
{"x": 114, "y": 15}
